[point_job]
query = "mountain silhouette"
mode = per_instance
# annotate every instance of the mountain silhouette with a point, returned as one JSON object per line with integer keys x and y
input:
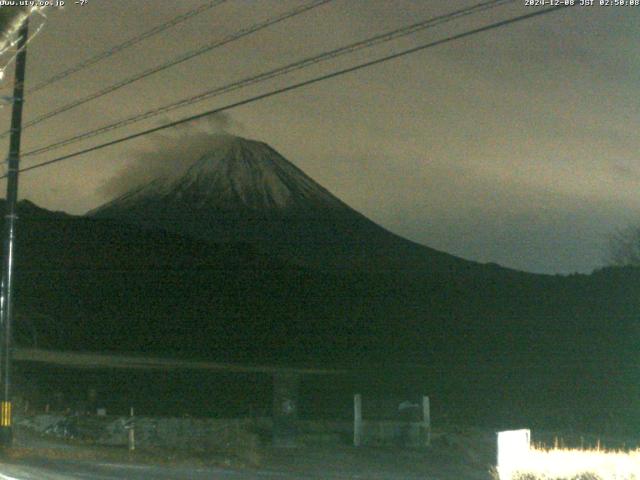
{"x": 242, "y": 257}
{"x": 245, "y": 191}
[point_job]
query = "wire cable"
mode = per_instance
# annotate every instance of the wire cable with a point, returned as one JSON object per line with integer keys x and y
{"x": 175, "y": 61}
{"x": 298, "y": 85}
{"x": 280, "y": 71}
{"x": 127, "y": 44}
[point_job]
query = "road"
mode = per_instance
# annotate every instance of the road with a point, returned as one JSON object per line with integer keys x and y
{"x": 48, "y": 469}
{"x": 71, "y": 470}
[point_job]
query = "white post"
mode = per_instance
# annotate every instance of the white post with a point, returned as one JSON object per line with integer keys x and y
{"x": 513, "y": 446}
{"x": 132, "y": 433}
{"x": 357, "y": 420}
{"x": 426, "y": 419}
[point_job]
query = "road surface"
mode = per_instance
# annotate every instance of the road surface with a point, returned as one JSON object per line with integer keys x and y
{"x": 65, "y": 469}
{"x": 85, "y": 470}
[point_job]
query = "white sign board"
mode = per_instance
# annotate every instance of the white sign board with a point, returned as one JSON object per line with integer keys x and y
{"x": 513, "y": 446}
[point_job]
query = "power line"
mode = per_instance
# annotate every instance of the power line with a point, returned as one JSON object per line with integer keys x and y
{"x": 175, "y": 61}
{"x": 127, "y": 44}
{"x": 298, "y": 85}
{"x": 280, "y": 71}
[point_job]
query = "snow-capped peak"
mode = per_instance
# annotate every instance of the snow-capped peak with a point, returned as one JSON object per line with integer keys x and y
{"x": 236, "y": 173}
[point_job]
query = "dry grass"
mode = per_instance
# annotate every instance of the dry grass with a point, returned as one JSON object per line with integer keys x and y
{"x": 244, "y": 451}
{"x": 576, "y": 464}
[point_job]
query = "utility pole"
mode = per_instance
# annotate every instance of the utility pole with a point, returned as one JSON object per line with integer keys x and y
{"x": 6, "y": 287}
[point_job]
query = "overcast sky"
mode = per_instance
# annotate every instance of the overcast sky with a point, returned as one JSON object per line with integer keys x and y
{"x": 517, "y": 146}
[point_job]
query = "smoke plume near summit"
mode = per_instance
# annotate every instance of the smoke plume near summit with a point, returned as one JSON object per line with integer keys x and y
{"x": 173, "y": 152}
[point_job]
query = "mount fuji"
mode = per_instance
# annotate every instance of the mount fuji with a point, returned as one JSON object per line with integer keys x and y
{"x": 241, "y": 257}
{"x": 245, "y": 191}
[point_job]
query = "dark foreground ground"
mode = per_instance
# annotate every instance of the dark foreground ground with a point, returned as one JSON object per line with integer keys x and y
{"x": 460, "y": 456}
{"x": 455, "y": 454}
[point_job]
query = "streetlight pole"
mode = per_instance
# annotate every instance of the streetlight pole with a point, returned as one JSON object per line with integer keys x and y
{"x": 6, "y": 287}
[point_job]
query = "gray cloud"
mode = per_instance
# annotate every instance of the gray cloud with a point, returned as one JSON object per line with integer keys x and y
{"x": 173, "y": 151}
